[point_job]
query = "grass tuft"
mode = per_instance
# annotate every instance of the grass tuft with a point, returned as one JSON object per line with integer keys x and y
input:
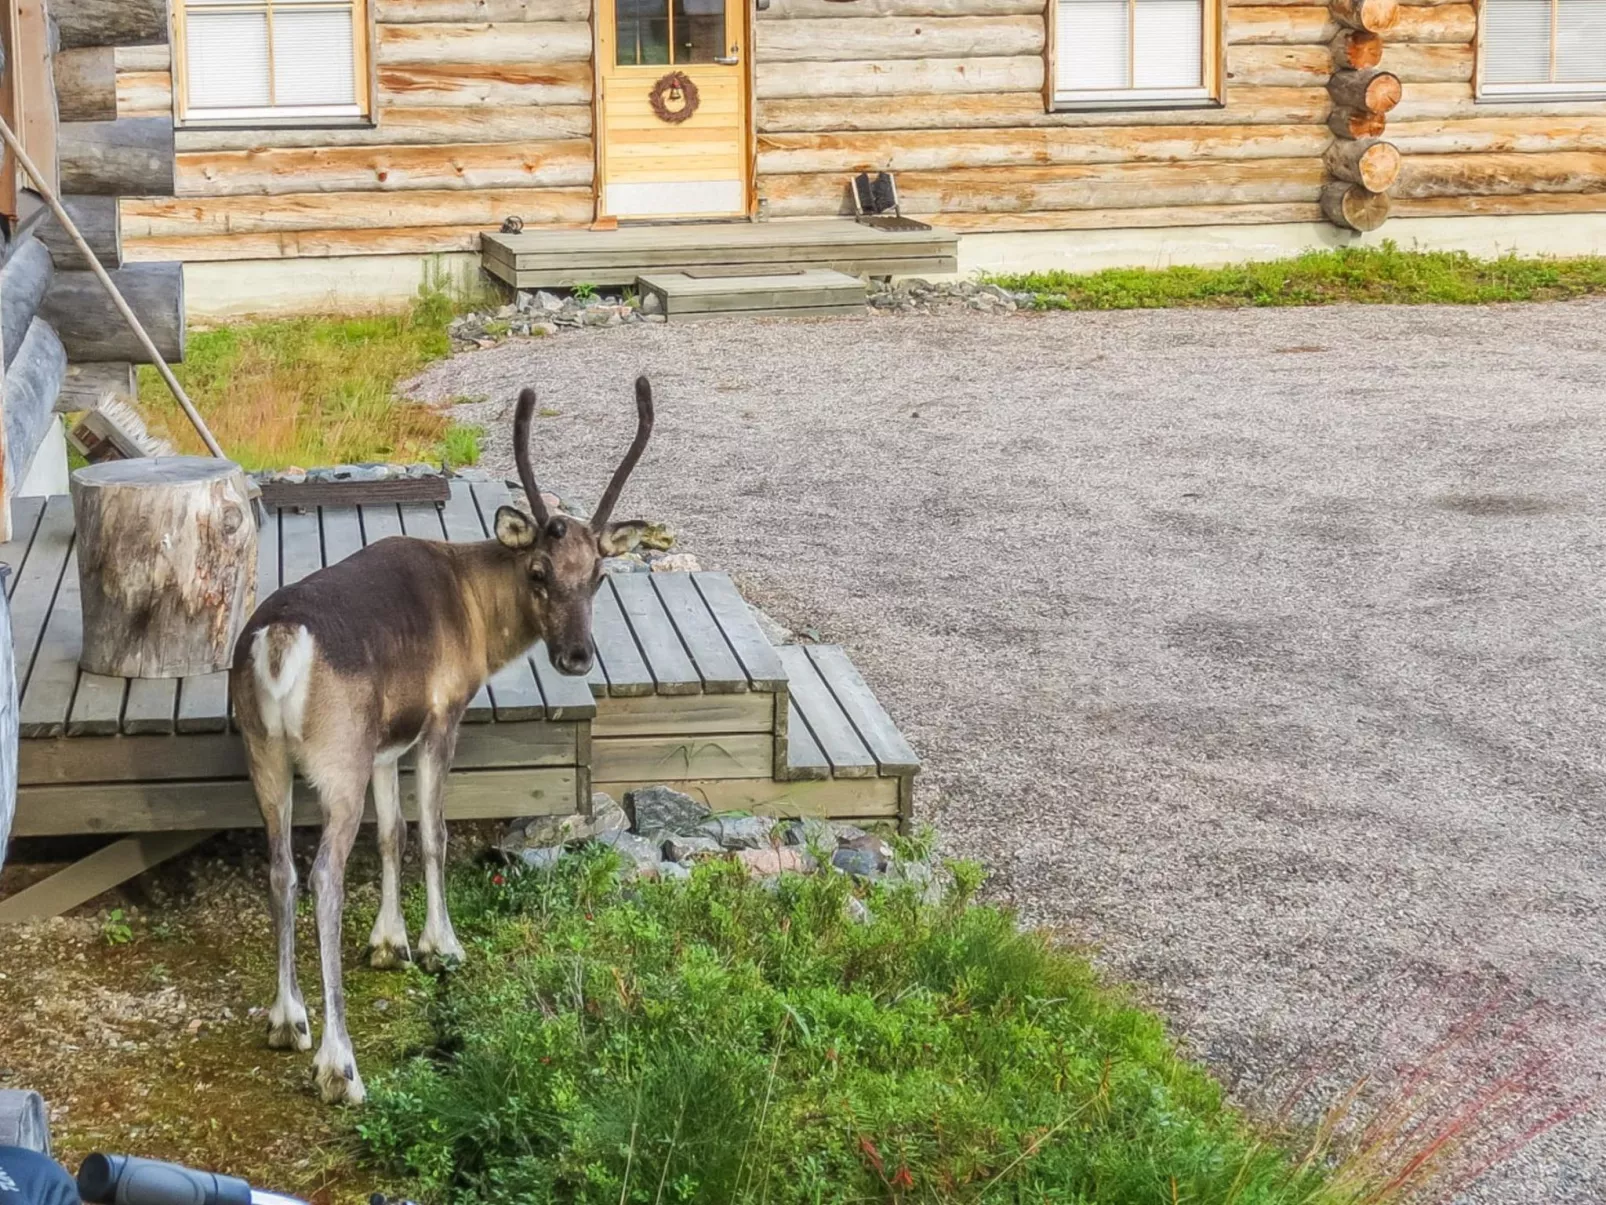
{"x": 1371, "y": 275}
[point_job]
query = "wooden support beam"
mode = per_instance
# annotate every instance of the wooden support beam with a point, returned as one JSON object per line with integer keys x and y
{"x": 24, "y": 281}
{"x": 90, "y": 326}
{"x": 31, "y": 384}
{"x": 110, "y": 22}
{"x": 97, "y": 220}
{"x": 99, "y": 872}
{"x": 86, "y": 84}
{"x": 129, "y": 157}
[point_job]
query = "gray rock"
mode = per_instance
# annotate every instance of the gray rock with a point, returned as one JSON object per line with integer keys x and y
{"x": 544, "y": 858}
{"x": 639, "y": 853}
{"x": 846, "y": 833}
{"x": 651, "y": 303}
{"x": 506, "y": 311}
{"x": 738, "y": 832}
{"x": 809, "y": 833}
{"x": 857, "y": 911}
{"x": 550, "y": 303}
{"x": 860, "y": 863}
{"x": 871, "y": 844}
{"x": 542, "y": 329}
{"x": 606, "y": 815}
{"x": 662, "y": 810}
{"x": 673, "y": 871}
{"x": 652, "y": 318}
{"x": 600, "y": 317}
{"x": 624, "y": 564}
{"x": 683, "y": 848}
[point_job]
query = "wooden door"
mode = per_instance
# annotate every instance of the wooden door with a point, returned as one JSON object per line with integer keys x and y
{"x": 672, "y": 132}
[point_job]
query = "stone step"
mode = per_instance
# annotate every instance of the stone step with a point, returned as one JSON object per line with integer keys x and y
{"x": 803, "y": 292}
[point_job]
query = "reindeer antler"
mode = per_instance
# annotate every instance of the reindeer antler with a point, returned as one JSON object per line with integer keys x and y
{"x": 522, "y": 415}
{"x": 599, "y": 519}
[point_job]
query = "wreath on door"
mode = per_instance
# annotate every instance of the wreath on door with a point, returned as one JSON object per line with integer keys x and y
{"x": 673, "y": 89}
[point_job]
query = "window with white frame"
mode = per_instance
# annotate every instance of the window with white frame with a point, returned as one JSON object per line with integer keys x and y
{"x": 1134, "y": 52}
{"x": 271, "y": 60}
{"x": 1542, "y": 47}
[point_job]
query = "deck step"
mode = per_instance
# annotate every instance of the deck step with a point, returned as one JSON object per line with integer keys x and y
{"x": 797, "y": 293}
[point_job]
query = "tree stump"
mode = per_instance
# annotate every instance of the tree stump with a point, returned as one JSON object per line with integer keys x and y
{"x": 167, "y": 554}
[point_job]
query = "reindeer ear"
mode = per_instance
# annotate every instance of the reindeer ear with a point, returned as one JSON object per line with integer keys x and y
{"x": 514, "y": 528}
{"x": 619, "y": 538}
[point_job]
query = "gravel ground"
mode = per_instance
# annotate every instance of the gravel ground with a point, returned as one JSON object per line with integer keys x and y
{"x": 1259, "y": 649}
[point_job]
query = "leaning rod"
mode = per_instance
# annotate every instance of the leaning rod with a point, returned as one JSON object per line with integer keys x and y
{"x": 106, "y": 282}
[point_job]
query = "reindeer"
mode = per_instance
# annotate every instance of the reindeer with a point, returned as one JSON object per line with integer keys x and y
{"x": 346, "y": 670}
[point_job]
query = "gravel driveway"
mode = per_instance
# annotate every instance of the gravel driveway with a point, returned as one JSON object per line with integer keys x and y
{"x": 1261, "y": 650}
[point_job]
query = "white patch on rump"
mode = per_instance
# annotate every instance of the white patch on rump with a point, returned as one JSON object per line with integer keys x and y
{"x": 282, "y": 696}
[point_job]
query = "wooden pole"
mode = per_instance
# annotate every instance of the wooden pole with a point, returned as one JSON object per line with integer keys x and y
{"x": 67, "y": 224}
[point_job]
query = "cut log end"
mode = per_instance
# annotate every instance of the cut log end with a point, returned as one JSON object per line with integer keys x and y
{"x": 1350, "y": 124}
{"x": 1354, "y": 207}
{"x": 1374, "y": 16}
{"x": 1356, "y": 50}
{"x": 1369, "y": 90}
{"x": 1370, "y": 163}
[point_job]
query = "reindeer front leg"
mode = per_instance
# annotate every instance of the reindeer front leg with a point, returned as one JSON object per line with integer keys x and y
{"x": 387, "y": 944}
{"x": 438, "y": 947}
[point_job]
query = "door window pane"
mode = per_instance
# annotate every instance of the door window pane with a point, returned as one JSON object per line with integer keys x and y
{"x": 641, "y": 32}
{"x": 699, "y": 31}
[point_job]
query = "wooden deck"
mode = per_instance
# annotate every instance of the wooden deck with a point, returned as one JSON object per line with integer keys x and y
{"x": 686, "y": 690}
{"x": 563, "y": 258}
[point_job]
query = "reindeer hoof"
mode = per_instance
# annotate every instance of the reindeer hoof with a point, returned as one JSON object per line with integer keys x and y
{"x": 289, "y": 1030}
{"x": 388, "y": 956}
{"x": 439, "y": 962}
{"x": 339, "y": 1083}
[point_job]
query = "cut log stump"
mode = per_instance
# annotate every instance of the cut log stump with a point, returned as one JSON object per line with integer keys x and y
{"x": 1373, "y": 164}
{"x": 1353, "y": 207}
{"x": 1356, "y": 50}
{"x": 167, "y": 551}
{"x": 1370, "y": 91}
{"x": 1353, "y": 124}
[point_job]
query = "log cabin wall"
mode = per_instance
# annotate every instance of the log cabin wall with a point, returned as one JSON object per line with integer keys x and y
{"x": 482, "y": 110}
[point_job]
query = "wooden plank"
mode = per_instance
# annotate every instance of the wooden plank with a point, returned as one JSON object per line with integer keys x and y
{"x": 781, "y": 11}
{"x": 144, "y": 93}
{"x": 666, "y": 759}
{"x": 342, "y": 533}
{"x": 621, "y": 658}
{"x": 672, "y": 670}
{"x": 300, "y": 545}
{"x": 420, "y": 126}
{"x": 266, "y": 171}
{"x": 25, "y": 515}
{"x": 818, "y": 709}
{"x": 38, "y": 580}
{"x": 757, "y": 655}
{"x": 854, "y": 696}
{"x": 832, "y": 798}
{"x": 149, "y": 708}
{"x": 487, "y": 43}
{"x": 209, "y": 248}
{"x": 437, "y": 85}
{"x": 158, "y": 217}
{"x": 99, "y": 872}
{"x": 97, "y": 705}
{"x": 567, "y": 697}
{"x": 380, "y": 522}
{"x": 893, "y": 77}
{"x": 721, "y": 671}
{"x": 304, "y": 495}
{"x": 683, "y": 715}
{"x": 405, "y": 12}
{"x": 804, "y": 757}
{"x": 162, "y": 806}
{"x": 203, "y": 703}
{"x": 49, "y": 692}
{"x": 838, "y": 40}
{"x": 460, "y": 521}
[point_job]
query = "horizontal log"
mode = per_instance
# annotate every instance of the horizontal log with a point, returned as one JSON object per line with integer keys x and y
{"x": 1369, "y": 162}
{"x": 86, "y": 83}
{"x": 1279, "y": 25}
{"x": 1356, "y": 50}
{"x": 1294, "y": 66}
{"x": 839, "y": 41}
{"x": 1449, "y": 22}
{"x": 1006, "y": 190}
{"x": 1379, "y": 16}
{"x": 90, "y": 327}
{"x": 109, "y": 22}
{"x": 1002, "y": 110}
{"x": 1353, "y": 123}
{"x": 1456, "y": 100}
{"x": 89, "y": 385}
{"x": 1369, "y": 91}
{"x": 490, "y": 44}
{"x": 317, "y": 244}
{"x": 477, "y": 84}
{"x": 1498, "y": 135}
{"x": 32, "y": 382}
{"x": 938, "y": 150}
{"x": 144, "y": 58}
{"x": 1354, "y": 208}
{"x": 145, "y": 94}
{"x": 171, "y": 217}
{"x": 1179, "y": 215}
{"x": 1532, "y": 203}
{"x": 24, "y": 281}
{"x": 415, "y": 12}
{"x": 129, "y": 157}
{"x": 96, "y": 219}
{"x": 267, "y": 172}
{"x": 408, "y": 127}
{"x": 1501, "y": 175}
{"x": 787, "y": 10}
{"x": 894, "y": 76}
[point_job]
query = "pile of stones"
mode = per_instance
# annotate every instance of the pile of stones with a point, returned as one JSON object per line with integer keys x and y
{"x": 660, "y": 833}
{"x": 916, "y": 296}
{"x": 367, "y": 471}
{"x": 543, "y": 312}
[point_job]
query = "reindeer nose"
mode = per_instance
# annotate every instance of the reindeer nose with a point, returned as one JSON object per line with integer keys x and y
{"x": 575, "y": 661}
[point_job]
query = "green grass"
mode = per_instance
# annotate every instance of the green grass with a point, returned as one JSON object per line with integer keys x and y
{"x": 461, "y": 444}
{"x": 314, "y": 391}
{"x": 719, "y": 1042}
{"x": 1381, "y": 275}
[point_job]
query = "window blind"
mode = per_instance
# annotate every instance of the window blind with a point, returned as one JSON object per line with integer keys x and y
{"x": 294, "y": 55}
{"x": 1120, "y": 45}
{"x": 1581, "y": 41}
{"x": 1543, "y": 44}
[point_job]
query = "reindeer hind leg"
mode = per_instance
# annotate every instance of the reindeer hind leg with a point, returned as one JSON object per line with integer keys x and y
{"x": 341, "y": 787}
{"x": 273, "y": 777}
{"x": 387, "y": 944}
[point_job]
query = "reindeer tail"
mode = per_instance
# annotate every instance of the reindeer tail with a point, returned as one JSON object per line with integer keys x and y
{"x": 281, "y": 663}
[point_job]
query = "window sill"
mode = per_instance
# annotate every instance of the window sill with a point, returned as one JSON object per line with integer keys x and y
{"x": 1542, "y": 93}
{"x": 1064, "y": 104}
